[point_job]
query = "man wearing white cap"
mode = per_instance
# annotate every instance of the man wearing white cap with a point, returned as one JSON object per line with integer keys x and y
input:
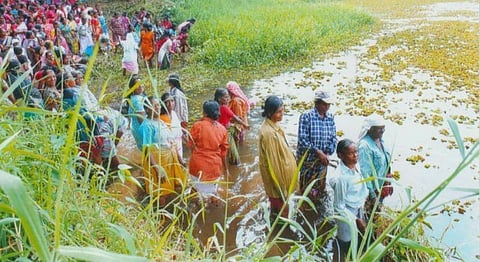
{"x": 317, "y": 137}
{"x": 373, "y": 157}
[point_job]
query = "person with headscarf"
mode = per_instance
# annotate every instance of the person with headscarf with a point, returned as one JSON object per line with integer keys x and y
{"x": 277, "y": 162}
{"x": 374, "y": 158}
{"x": 209, "y": 145}
{"x": 226, "y": 116}
{"x": 240, "y": 106}
{"x": 130, "y": 53}
{"x": 181, "y": 106}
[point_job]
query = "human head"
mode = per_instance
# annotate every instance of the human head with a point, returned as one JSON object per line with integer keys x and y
{"x": 273, "y": 108}
{"x": 323, "y": 100}
{"x": 13, "y": 66}
{"x": 173, "y": 80}
{"x": 211, "y": 109}
{"x": 233, "y": 88}
{"x": 373, "y": 126}
{"x": 168, "y": 103}
{"x": 347, "y": 152}
{"x": 50, "y": 78}
{"x": 78, "y": 77}
{"x": 222, "y": 96}
{"x": 135, "y": 82}
{"x": 68, "y": 80}
{"x": 152, "y": 107}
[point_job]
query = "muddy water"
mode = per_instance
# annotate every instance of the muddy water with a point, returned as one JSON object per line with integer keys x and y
{"x": 341, "y": 74}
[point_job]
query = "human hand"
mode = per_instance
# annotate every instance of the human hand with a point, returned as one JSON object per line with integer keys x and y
{"x": 322, "y": 157}
{"x": 361, "y": 225}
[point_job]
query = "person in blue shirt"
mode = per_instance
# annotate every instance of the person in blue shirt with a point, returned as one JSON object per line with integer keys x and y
{"x": 350, "y": 194}
{"x": 317, "y": 138}
{"x": 164, "y": 174}
{"x": 374, "y": 158}
{"x": 136, "y": 111}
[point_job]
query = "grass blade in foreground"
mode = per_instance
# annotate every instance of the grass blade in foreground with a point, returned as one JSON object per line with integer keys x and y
{"x": 25, "y": 210}
{"x": 94, "y": 254}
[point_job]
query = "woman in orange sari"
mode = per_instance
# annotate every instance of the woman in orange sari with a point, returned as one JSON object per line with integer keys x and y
{"x": 147, "y": 43}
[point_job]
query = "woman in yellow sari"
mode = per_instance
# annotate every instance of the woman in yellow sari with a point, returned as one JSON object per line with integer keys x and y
{"x": 164, "y": 174}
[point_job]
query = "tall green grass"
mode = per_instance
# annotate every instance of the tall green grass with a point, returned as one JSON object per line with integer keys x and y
{"x": 236, "y": 34}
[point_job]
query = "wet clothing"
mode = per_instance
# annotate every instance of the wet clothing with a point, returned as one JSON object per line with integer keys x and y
{"x": 156, "y": 145}
{"x": 275, "y": 155}
{"x": 240, "y": 108}
{"x": 373, "y": 161}
{"x": 173, "y": 123}
{"x": 226, "y": 115}
{"x": 209, "y": 148}
{"x": 316, "y": 133}
{"x": 349, "y": 198}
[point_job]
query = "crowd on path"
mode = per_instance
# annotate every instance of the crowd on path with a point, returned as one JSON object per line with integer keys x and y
{"x": 45, "y": 46}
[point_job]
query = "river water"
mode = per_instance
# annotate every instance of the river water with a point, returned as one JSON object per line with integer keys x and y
{"x": 342, "y": 74}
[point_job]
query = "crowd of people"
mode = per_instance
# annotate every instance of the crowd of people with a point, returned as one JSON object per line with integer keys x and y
{"x": 45, "y": 47}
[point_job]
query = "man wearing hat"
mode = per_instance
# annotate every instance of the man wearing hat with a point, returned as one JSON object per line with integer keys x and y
{"x": 317, "y": 138}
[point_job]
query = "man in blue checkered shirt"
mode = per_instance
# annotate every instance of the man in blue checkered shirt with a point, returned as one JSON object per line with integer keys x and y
{"x": 317, "y": 137}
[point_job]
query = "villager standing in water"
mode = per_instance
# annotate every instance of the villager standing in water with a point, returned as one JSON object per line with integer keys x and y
{"x": 276, "y": 160}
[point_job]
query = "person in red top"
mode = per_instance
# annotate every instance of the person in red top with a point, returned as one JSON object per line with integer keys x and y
{"x": 226, "y": 115}
{"x": 209, "y": 146}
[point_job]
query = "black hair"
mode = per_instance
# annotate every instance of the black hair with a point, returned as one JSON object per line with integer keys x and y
{"x": 173, "y": 79}
{"x": 164, "y": 98}
{"x": 17, "y": 50}
{"x": 133, "y": 81}
{"x": 219, "y": 92}
{"x": 211, "y": 109}
{"x": 343, "y": 145}
{"x": 272, "y": 104}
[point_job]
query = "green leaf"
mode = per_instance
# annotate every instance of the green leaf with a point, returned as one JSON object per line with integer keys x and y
{"x": 123, "y": 234}
{"x": 375, "y": 253}
{"x": 94, "y": 254}
{"x": 9, "y": 140}
{"x": 26, "y": 211}
{"x": 417, "y": 246}
{"x": 8, "y": 220}
{"x": 456, "y": 133}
